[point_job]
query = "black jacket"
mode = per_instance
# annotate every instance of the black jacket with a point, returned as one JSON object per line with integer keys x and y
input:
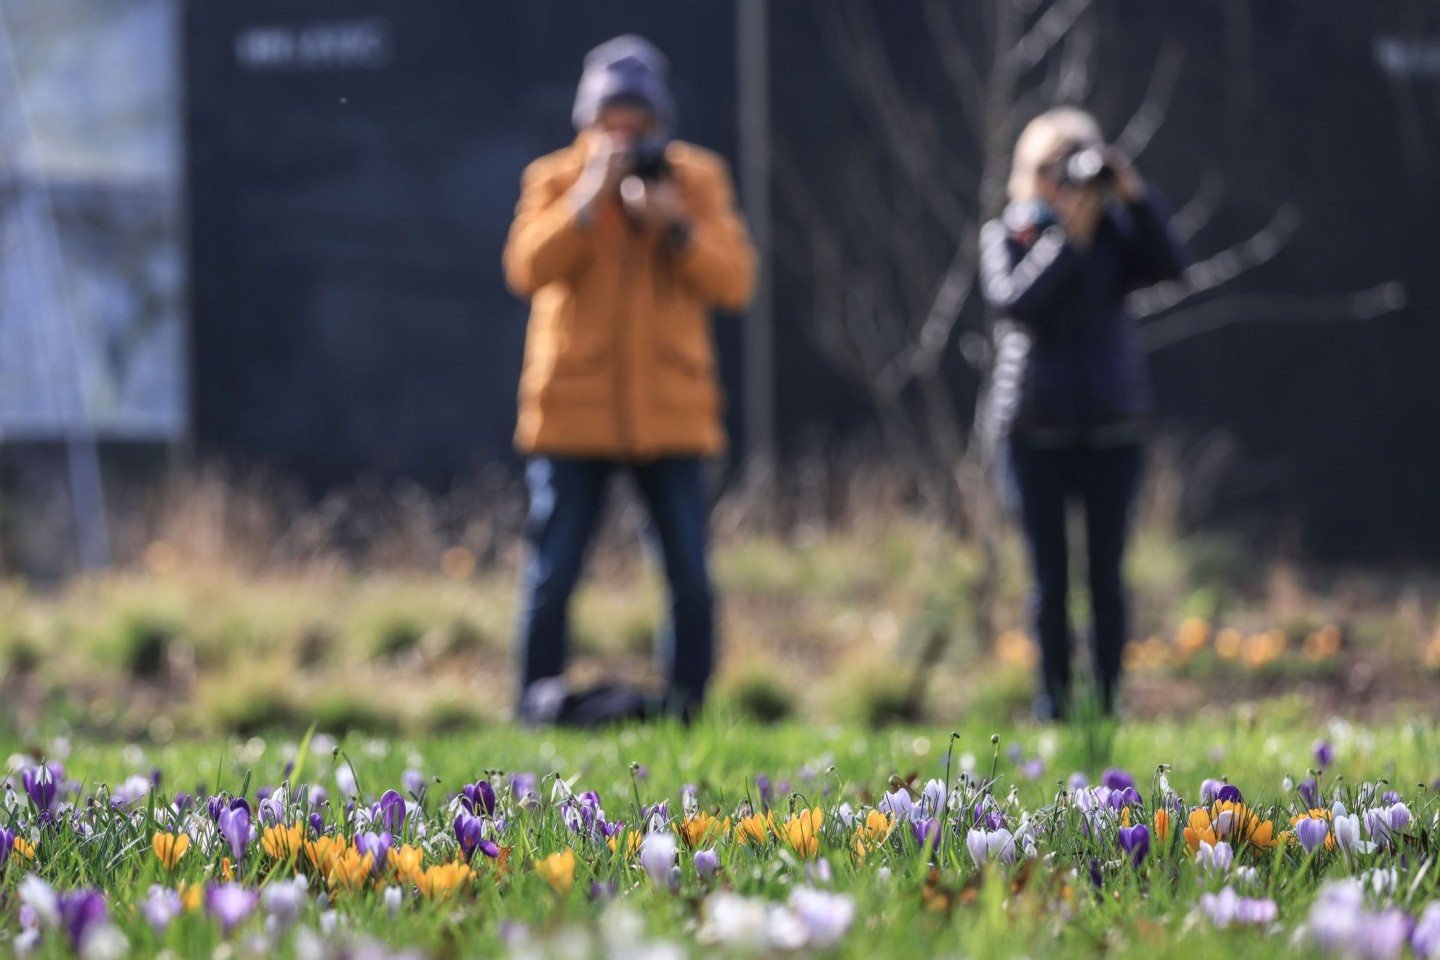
{"x": 1069, "y": 365}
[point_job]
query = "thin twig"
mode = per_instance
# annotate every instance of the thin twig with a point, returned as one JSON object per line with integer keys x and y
{"x": 1191, "y": 218}
{"x": 1262, "y": 308}
{"x": 1156, "y": 106}
{"x": 1049, "y": 30}
{"x": 1220, "y": 268}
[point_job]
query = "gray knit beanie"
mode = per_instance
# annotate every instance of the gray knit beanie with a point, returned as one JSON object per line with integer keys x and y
{"x": 628, "y": 69}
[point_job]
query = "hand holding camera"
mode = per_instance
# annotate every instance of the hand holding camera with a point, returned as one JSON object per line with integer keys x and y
{"x": 606, "y": 167}
{"x": 649, "y": 192}
{"x": 1084, "y": 178}
{"x": 637, "y": 173}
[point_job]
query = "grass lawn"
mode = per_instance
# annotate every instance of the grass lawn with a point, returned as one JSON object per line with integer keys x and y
{"x": 809, "y": 852}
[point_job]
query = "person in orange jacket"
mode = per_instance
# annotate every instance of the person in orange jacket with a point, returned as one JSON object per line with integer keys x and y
{"x": 623, "y": 242}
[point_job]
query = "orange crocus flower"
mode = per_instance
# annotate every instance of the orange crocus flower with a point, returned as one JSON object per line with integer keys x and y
{"x": 442, "y": 880}
{"x": 802, "y": 832}
{"x": 558, "y": 870}
{"x": 754, "y": 828}
{"x": 283, "y": 843}
{"x": 170, "y": 847}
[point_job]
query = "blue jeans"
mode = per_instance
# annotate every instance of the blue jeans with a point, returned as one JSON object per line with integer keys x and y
{"x": 566, "y": 497}
{"x": 1105, "y": 481}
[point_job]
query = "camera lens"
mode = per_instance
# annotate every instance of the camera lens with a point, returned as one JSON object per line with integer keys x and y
{"x": 1086, "y": 166}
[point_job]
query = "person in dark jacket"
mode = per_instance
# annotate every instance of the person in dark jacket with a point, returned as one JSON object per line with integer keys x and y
{"x": 1069, "y": 397}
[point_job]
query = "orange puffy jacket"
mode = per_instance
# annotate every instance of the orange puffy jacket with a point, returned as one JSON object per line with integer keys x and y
{"x": 619, "y": 357}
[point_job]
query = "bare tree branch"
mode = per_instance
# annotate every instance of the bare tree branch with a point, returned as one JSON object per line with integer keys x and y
{"x": 1220, "y": 268}
{"x": 856, "y": 50}
{"x": 1156, "y": 106}
{"x": 923, "y": 356}
{"x": 1075, "y": 74}
{"x": 1049, "y": 30}
{"x": 959, "y": 65}
{"x": 1262, "y": 308}
{"x": 1191, "y": 218}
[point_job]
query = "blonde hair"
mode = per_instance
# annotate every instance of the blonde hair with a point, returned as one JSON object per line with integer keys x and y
{"x": 1046, "y": 139}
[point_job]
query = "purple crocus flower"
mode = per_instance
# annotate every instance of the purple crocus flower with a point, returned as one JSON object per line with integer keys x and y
{"x": 989, "y": 818}
{"x": 1398, "y": 816}
{"x": 318, "y": 796}
{"x": 183, "y": 801}
{"x": 1309, "y": 793}
{"x": 1122, "y": 797}
{"x": 1033, "y": 769}
{"x": 264, "y": 793}
{"x": 1311, "y": 832}
{"x": 470, "y": 831}
{"x": 1217, "y": 859}
{"x": 657, "y": 856}
{"x": 1255, "y": 911}
{"x": 985, "y": 844}
{"x": 1229, "y": 794}
{"x": 215, "y": 806}
{"x": 927, "y": 833}
{"x": 602, "y": 891}
{"x": 933, "y": 797}
{"x": 377, "y": 846}
{"x": 1377, "y": 824}
{"x": 1210, "y": 790}
{"x": 762, "y": 785}
{"x": 899, "y": 805}
{"x": 523, "y": 784}
{"x": 1384, "y": 936}
{"x": 42, "y": 784}
{"x": 479, "y": 798}
{"x": 7, "y": 842}
{"x": 658, "y": 814}
{"x": 317, "y": 824}
{"x": 1117, "y": 779}
{"x": 392, "y": 811}
{"x": 235, "y": 828}
{"x": 231, "y": 904}
{"x": 272, "y": 809}
{"x": 706, "y": 863}
{"x": 1135, "y": 841}
{"x": 1227, "y": 907}
{"x": 1324, "y": 754}
{"x": 1425, "y": 938}
{"x": 1096, "y": 877}
{"x": 160, "y": 908}
{"x": 825, "y": 916}
{"x": 414, "y": 782}
{"x": 1077, "y": 781}
{"x": 81, "y": 911}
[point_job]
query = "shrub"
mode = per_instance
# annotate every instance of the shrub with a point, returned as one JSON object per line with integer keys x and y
{"x": 757, "y": 691}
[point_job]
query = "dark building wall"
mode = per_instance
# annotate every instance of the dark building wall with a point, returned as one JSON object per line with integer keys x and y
{"x": 353, "y": 170}
{"x": 348, "y": 219}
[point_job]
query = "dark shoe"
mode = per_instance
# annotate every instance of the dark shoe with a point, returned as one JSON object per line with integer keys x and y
{"x": 684, "y": 705}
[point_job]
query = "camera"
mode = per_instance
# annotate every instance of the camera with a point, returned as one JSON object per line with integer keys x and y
{"x": 647, "y": 159}
{"x": 1084, "y": 167}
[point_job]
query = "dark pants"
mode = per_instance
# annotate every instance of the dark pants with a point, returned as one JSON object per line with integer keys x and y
{"x": 566, "y": 497}
{"x": 1105, "y": 482}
